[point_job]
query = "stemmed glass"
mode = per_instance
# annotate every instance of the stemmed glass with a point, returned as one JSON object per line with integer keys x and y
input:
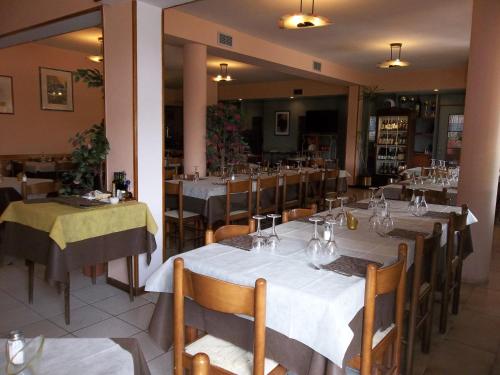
{"x": 278, "y": 168}
{"x": 341, "y": 217}
{"x": 386, "y": 224}
{"x": 373, "y": 201}
{"x": 422, "y": 205}
{"x": 273, "y": 240}
{"x": 223, "y": 173}
{"x": 196, "y": 176}
{"x": 314, "y": 249}
{"x": 329, "y": 215}
{"x": 259, "y": 240}
{"x": 382, "y": 203}
{"x": 412, "y": 204}
{"x": 331, "y": 249}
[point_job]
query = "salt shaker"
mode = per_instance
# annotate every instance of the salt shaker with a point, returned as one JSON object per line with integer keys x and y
{"x": 15, "y": 344}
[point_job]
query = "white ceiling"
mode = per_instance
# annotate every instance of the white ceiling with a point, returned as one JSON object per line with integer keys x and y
{"x": 434, "y": 33}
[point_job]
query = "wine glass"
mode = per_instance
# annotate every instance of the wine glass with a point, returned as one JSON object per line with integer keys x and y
{"x": 330, "y": 248}
{"x": 341, "y": 217}
{"x": 196, "y": 176}
{"x": 25, "y": 361}
{"x": 382, "y": 203}
{"x": 412, "y": 204}
{"x": 314, "y": 249}
{"x": 422, "y": 207}
{"x": 373, "y": 201}
{"x": 273, "y": 240}
{"x": 223, "y": 173}
{"x": 387, "y": 222}
{"x": 329, "y": 215}
{"x": 259, "y": 240}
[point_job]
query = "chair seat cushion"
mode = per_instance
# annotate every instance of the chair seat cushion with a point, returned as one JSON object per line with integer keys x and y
{"x": 175, "y": 214}
{"x": 227, "y": 356}
{"x": 379, "y": 335}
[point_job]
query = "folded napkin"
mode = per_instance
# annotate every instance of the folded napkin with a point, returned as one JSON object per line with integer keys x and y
{"x": 241, "y": 242}
{"x": 437, "y": 215}
{"x": 405, "y": 233}
{"x": 360, "y": 205}
{"x": 70, "y": 201}
{"x": 348, "y": 266}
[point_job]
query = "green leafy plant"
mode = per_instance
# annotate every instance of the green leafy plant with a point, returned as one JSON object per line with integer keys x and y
{"x": 225, "y": 143}
{"x": 92, "y": 77}
{"x": 90, "y": 149}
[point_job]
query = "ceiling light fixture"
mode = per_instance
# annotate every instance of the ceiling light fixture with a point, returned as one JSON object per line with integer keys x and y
{"x": 303, "y": 20}
{"x": 223, "y": 76}
{"x": 435, "y": 90}
{"x": 97, "y": 58}
{"x": 394, "y": 62}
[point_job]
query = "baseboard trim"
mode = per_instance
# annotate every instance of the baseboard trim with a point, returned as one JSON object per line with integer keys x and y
{"x": 121, "y": 285}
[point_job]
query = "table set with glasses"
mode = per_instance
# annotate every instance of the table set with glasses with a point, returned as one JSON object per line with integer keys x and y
{"x": 314, "y": 268}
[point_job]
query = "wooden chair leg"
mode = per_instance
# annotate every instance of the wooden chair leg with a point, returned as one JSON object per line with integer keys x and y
{"x": 130, "y": 279}
{"x": 31, "y": 280}
{"x": 456, "y": 291}
{"x": 93, "y": 270}
{"x": 445, "y": 297}
{"x": 66, "y": 299}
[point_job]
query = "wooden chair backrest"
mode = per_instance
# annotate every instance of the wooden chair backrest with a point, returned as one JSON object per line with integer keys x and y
{"x": 291, "y": 180}
{"x": 267, "y": 183}
{"x": 46, "y": 187}
{"x": 437, "y": 197}
{"x": 223, "y": 297}
{"x": 228, "y": 231}
{"x": 314, "y": 187}
{"x": 201, "y": 364}
{"x": 233, "y": 187}
{"x": 176, "y": 189}
{"x": 457, "y": 224}
{"x": 298, "y": 213}
{"x": 382, "y": 281}
{"x": 330, "y": 183}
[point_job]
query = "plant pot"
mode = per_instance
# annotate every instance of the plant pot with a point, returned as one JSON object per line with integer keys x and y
{"x": 100, "y": 267}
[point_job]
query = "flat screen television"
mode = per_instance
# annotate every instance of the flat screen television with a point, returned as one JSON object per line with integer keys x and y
{"x": 321, "y": 122}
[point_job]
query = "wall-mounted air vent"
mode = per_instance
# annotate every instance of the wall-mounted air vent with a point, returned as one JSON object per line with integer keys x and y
{"x": 317, "y": 66}
{"x": 225, "y": 40}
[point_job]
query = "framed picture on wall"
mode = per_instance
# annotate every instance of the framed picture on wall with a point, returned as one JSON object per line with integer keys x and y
{"x": 6, "y": 95}
{"x": 56, "y": 89}
{"x": 282, "y": 123}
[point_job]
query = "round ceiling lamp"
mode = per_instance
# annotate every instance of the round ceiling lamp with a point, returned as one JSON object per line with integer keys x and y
{"x": 223, "y": 75}
{"x": 303, "y": 20}
{"x": 97, "y": 58}
{"x": 394, "y": 62}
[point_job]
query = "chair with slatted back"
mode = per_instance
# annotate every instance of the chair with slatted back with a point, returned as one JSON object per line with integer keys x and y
{"x": 228, "y": 231}
{"x": 298, "y": 213}
{"x": 457, "y": 227}
{"x": 39, "y": 189}
{"x": 330, "y": 183}
{"x": 375, "y": 346}
{"x": 423, "y": 287}
{"x": 314, "y": 188}
{"x": 289, "y": 197}
{"x": 267, "y": 197}
{"x": 178, "y": 216}
{"x": 234, "y": 189}
{"x": 201, "y": 364}
{"x": 228, "y": 298}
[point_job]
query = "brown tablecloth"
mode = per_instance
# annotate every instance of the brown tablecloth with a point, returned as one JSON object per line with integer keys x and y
{"x": 292, "y": 354}
{"x": 27, "y": 243}
{"x": 132, "y": 346}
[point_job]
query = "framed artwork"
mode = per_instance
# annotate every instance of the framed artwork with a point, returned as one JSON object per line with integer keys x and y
{"x": 6, "y": 95}
{"x": 56, "y": 89}
{"x": 282, "y": 123}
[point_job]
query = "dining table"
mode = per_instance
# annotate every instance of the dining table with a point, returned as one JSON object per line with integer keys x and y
{"x": 10, "y": 190}
{"x": 393, "y": 191}
{"x": 207, "y": 197}
{"x": 313, "y": 317}
{"x": 81, "y": 356}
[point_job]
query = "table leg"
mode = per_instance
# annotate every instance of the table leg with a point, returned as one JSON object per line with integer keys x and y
{"x": 66, "y": 299}
{"x": 130, "y": 279}
{"x": 31, "y": 279}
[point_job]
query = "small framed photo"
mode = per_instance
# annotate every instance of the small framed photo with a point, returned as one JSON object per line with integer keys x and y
{"x": 56, "y": 89}
{"x": 282, "y": 123}
{"x": 6, "y": 95}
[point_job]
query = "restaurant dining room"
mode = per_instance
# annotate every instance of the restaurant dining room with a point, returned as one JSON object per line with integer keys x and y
{"x": 301, "y": 187}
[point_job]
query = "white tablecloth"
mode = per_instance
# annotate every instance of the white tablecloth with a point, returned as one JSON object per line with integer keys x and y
{"x": 212, "y": 186}
{"x": 313, "y": 307}
{"x": 81, "y": 356}
{"x": 13, "y": 182}
{"x": 393, "y": 191}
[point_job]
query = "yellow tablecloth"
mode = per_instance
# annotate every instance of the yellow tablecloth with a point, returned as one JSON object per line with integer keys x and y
{"x": 66, "y": 224}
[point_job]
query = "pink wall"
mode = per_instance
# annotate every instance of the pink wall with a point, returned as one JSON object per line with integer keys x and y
{"x": 32, "y": 130}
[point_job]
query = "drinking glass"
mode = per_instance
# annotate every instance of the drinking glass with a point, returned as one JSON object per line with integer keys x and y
{"x": 329, "y": 215}
{"x": 314, "y": 250}
{"x": 223, "y": 173}
{"x": 341, "y": 217}
{"x": 196, "y": 176}
{"x": 273, "y": 240}
{"x": 259, "y": 240}
{"x": 382, "y": 203}
{"x": 422, "y": 207}
{"x": 373, "y": 201}
{"x": 387, "y": 222}
{"x": 25, "y": 361}
{"x": 331, "y": 249}
{"x": 412, "y": 204}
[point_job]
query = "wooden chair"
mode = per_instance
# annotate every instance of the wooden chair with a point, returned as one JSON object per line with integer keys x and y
{"x": 457, "y": 226}
{"x": 289, "y": 200}
{"x": 39, "y": 188}
{"x": 201, "y": 364}
{"x": 224, "y": 297}
{"x": 314, "y": 188}
{"x": 238, "y": 187}
{"x": 420, "y": 312}
{"x": 376, "y": 345}
{"x": 298, "y": 213}
{"x": 270, "y": 185}
{"x": 330, "y": 183}
{"x": 431, "y": 196}
{"x": 178, "y": 217}
{"x": 228, "y": 231}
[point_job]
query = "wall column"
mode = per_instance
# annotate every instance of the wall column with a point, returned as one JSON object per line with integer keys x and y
{"x": 480, "y": 158}
{"x": 353, "y": 118}
{"x": 195, "y": 107}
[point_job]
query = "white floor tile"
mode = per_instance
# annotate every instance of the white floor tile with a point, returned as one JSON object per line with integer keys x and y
{"x": 139, "y": 317}
{"x": 96, "y": 293}
{"x": 151, "y": 296}
{"x": 119, "y": 304}
{"x": 112, "y": 327}
{"x": 8, "y": 303}
{"x": 162, "y": 365}
{"x": 80, "y": 318}
{"x": 45, "y": 328}
{"x": 148, "y": 346}
{"x": 17, "y": 318}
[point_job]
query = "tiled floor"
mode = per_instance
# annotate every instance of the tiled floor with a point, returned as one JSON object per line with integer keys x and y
{"x": 471, "y": 346}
